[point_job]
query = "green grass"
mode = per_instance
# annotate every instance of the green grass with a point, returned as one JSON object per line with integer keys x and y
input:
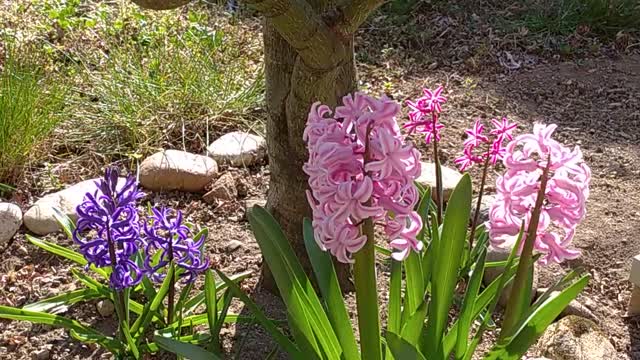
{"x": 140, "y": 80}
{"x": 563, "y": 17}
{"x": 165, "y": 82}
{"x": 31, "y": 106}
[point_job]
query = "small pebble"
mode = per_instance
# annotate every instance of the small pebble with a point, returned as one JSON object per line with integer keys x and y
{"x": 42, "y": 354}
{"x": 105, "y": 308}
{"x": 233, "y": 245}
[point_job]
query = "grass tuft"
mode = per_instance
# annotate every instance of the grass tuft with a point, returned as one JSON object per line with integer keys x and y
{"x": 31, "y": 106}
{"x": 563, "y": 17}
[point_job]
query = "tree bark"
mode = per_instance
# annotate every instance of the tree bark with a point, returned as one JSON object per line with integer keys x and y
{"x": 291, "y": 87}
{"x": 308, "y": 46}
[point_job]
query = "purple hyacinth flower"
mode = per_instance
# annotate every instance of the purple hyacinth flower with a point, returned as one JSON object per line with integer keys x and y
{"x": 167, "y": 234}
{"x": 107, "y": 230}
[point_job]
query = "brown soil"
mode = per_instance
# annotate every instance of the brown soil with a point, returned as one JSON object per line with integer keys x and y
{"x": 592, "y": 96}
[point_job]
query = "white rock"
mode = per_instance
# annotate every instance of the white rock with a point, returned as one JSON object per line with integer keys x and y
{"x": 450, "y": 178}
{"x": 10, "y": 221}
{"x": 238, "y": 149}
{"x": 177, "y": 170}
{"x": 105, "y": 308}
{"x": 575, "y": 338}
{"x": 40, "y": 217}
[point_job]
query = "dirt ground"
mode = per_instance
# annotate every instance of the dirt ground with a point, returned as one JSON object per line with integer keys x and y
{"x": 594, "y": 98}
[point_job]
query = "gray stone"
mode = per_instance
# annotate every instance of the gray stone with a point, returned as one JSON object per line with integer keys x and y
{"x": 105, "y": 308}
{"x": 485, "y": 206}
{"x": 238, "y": 149}
{"x": 495, "y": 254}
{"x": 233, "y": 245}
{"x": 450, "y": 178}
{"x": 10, "y": 221}
{"x": 223, "y": 189}
{"x": 177, "y": 170}
{"x": 575, "y": 338}
{"x": 40, "y": 218}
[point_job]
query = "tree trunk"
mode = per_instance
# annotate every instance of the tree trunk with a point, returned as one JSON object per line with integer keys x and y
{"x": 291, "y": 87}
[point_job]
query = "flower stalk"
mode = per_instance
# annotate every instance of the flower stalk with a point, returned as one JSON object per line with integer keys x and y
{"x": 172, "y": 286}
{"x": 516, "y": 297}
{"x": 436, "y": 160}
{"x": 119, "y": 303}
{"x": 476, "y": 215}
{"x": 364, "y": 273}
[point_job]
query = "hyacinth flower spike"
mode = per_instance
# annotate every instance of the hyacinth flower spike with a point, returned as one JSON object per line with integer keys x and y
{"x": 107, "y": 233}
{"x": 362, "y": 171}
{"x": 166, "y": 234}
{"x": 423, "y": 118}
{"x": 486, "y": 150}
{"x": 547, "y": 185}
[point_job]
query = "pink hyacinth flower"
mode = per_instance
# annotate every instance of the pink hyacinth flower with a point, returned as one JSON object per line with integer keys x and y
{"x": 566, "y": 194}
{"x": 360, "y": 167}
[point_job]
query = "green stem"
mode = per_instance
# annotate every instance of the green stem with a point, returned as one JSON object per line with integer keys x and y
{"x": 118, "y": 298}
{"x": 476, "y": 216}
{"x": 364, "y": 273}
{"x": 172, "y": 286}
{"x": 439, "y": 192}
{"x": 514, "y": 309}
{"x": 364, "y": 276}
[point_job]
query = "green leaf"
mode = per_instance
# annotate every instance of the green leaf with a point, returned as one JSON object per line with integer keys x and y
{"x": 394, "y": 317}
{"x": 65, "y": 253}
{"x": 395, "y": 297}
{"x": 485, "y": 298}
{"x": 195, "y": 339}
{"x": 468, "y": 304}
{"x": 277, "y": 335}
{"x": 382, "y": 250}
{"x": 104, "y": 290}
{"x": 296, "y": 289}
{"x": 431, "y": 251}
{"x": 496, "y": 295}
{"x": 191, "y": 304}
{"x": 52, "y": 304}
{"x": 186, "y": 350}
{"x": 412, "y": 328}
{"x": 414, "y": 278}
{"x": 150, "y": 308}
{"x": 65, "y": 223}
{"x": 215, "y": 331}
{"x": 48, "y": 319}
{"x": 447, "y": 262}
{"x": 401, "y": 349}
{"x": 331, "y": 293}
{"x": 211, "y": 303}
{"x": 536, "y": 323}
{"x": 202, "y": 319}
